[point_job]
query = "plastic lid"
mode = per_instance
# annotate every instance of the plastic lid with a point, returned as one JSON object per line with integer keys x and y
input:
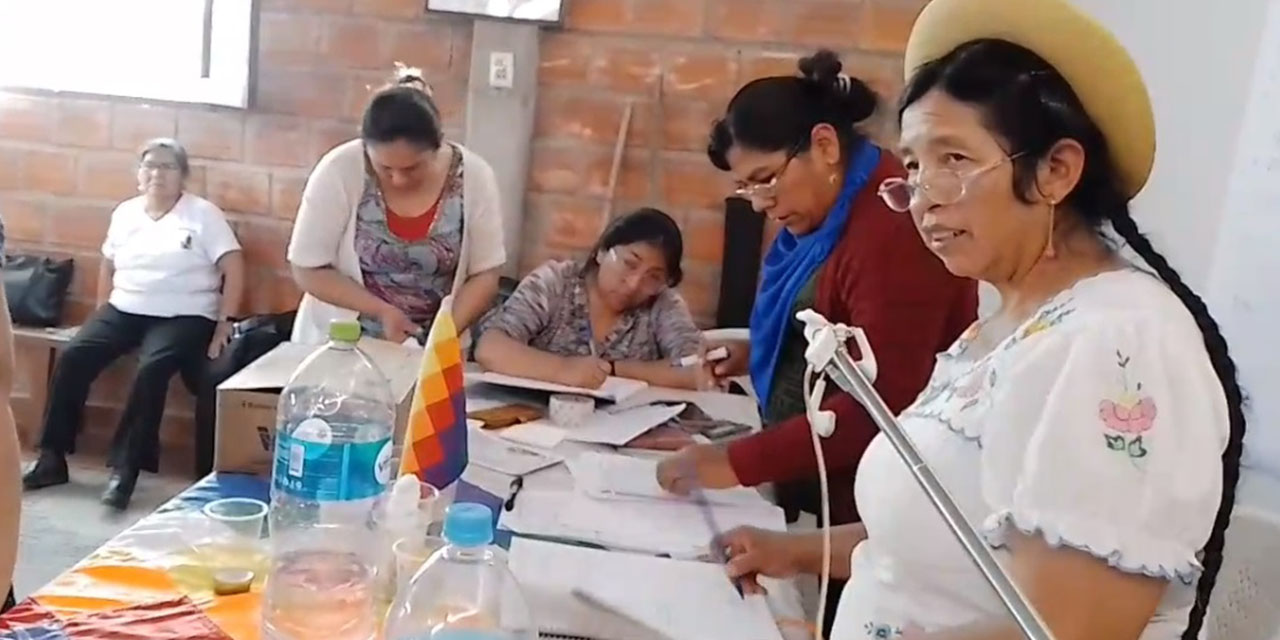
{"x": 344, "y": 331}
{"x": 468, "y": 524}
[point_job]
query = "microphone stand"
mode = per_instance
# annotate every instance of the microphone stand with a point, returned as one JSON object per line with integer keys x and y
{"x": 828, "y": 353}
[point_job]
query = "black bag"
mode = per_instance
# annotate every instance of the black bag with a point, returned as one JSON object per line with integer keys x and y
{"x": 36, "y": 287}
{"x": 252, "y": 338}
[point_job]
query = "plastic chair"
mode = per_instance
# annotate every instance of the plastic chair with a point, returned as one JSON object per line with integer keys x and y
{"x": 1246, "y": 600}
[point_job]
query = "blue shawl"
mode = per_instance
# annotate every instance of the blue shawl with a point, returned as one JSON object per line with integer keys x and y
{"x": 789, "y": 264}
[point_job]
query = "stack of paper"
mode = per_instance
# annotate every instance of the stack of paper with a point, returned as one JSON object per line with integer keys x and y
{"x": 621, "y": 427}
{"x": 720, "y": 406}
{"x": 617, "y": 504}
{"x": 507, "y": 457}
{"x": 634, "y": 597}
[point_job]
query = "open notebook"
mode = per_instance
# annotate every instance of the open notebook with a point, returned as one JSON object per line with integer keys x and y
{"x": 670, "y": 527}
{"x": 614, "y": 389}
{"x": 643, "y": 597}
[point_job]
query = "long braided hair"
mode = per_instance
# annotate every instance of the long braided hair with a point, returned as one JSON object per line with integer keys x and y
{"x": 1029, "y": 104}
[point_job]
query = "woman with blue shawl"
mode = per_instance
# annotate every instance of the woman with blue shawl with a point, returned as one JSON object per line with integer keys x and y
{"x": 793, "y": 146}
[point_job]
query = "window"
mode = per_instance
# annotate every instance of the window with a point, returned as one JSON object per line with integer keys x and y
{"x": 195, "y": 51}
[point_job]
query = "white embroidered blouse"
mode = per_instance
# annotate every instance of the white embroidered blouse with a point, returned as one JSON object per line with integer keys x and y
{"x": 1099, "y": 424}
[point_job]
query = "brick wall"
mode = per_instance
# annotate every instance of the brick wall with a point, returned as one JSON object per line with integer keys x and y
{"x": 677, "y": 62}
{"x": 66, "y": 161}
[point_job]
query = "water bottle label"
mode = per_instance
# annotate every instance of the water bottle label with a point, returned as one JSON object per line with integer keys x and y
{"x": 310, "y": 466}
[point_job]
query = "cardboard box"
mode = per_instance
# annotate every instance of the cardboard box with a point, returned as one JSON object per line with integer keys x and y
{"x": 247, "y": 401}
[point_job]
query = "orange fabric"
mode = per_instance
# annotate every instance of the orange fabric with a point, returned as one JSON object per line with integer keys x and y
{"x": 101, "y": 587}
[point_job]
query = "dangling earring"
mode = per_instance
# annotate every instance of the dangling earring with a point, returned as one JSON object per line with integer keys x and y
{"x": 1049, "y": 251}
{"x": 832, "y": 178}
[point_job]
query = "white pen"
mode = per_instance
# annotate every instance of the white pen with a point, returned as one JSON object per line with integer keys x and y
{"x": 715, "y": 355}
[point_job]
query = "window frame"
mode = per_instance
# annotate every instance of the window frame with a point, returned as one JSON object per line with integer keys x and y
{"x": 229, "y": 66}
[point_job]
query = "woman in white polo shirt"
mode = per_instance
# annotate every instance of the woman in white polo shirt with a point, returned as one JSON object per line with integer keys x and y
{"x": 171, "y": 279}
{"x": 394, "y": 222}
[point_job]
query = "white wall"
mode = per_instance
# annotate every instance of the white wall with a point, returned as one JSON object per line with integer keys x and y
{"x": 1208, "y": 207}
{"x": 1197, "y": 59}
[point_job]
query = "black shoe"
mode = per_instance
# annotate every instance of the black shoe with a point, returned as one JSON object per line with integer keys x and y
{"x": 50, "y": 470}
{"x": 120, "y": 489}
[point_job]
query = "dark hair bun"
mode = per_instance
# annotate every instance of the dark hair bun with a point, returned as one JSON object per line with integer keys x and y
{"x": 406, "y": 76}
{"x": 822, "y": 68}
{"x": 851, "y": 95}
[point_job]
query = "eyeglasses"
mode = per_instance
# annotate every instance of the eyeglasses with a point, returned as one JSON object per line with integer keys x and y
{"x": 768, "y": 189}
{"x": 159, "y": 166}
{"x": 651, "y": 282}
{"x": 941, "y": 186}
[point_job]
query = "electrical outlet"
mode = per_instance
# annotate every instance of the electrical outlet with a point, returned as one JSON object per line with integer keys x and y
{"x": 502, "y": 66}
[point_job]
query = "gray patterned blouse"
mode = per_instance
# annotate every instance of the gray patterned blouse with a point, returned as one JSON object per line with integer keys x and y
{"x": 548, "y": 311}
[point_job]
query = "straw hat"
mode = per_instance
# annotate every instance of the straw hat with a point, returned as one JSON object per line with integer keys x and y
{"x": 1088, "y": 56}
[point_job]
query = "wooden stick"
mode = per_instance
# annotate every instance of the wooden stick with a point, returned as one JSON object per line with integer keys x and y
{"x": 619, "y": 148}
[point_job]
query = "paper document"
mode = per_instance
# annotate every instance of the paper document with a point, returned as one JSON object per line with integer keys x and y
{"x": 507, "y": 457}
{"x": 538, "y": 433}
{"x": 621, "y": 427}
{"x": 614, "y": 389}
{"x": 721, "y": 406}
{"x": 676, "y": 528}
{"x": 677, "y": 599}
{"x": 541, "y": 512}
{"x": 659, "y": 527}
{"x": 607, "y": 475}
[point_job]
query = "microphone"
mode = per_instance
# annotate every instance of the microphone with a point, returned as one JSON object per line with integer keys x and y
{"x": 828, "y": 355}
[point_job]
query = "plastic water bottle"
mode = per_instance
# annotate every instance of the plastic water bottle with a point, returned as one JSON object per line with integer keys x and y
{"x": 333, "y": 459}
{"x": 465, "y": 590}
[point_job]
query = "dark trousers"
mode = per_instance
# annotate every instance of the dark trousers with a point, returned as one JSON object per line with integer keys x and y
{"x": 165, "y": 347}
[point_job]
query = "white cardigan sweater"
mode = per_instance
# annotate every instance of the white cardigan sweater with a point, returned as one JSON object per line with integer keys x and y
{"x": 324, "y": 232}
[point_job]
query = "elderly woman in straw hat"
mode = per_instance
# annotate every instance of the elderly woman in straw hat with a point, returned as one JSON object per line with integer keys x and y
{"x": 1091, "y": 428}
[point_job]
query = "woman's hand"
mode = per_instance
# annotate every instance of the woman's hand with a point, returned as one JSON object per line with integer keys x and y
{"x": 738, "y": 363}
{"x": 396, "y": 326}
{"x": 702, "y": 465}
{"x": 754, "y": 552}
{"x": 586, "y": 372}
{"x": 221, "y": 337}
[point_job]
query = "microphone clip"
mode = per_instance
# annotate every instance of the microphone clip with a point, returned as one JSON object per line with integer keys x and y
{"x": 825, "y": 341}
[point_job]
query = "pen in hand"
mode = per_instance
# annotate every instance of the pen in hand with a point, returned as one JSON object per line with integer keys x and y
{"x": 717, "y": 550}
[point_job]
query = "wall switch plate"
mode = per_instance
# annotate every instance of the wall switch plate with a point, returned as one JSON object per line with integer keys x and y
{"x": 502, "y": 66}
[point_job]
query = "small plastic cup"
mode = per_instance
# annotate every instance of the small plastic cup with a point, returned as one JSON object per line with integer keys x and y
{"x": 241, "y": 517}
{"x": 411, "y": 554}
{"x": 430, "y": 510}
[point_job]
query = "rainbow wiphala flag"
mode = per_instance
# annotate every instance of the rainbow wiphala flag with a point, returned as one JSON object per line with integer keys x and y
{"x": 435, "y": 439}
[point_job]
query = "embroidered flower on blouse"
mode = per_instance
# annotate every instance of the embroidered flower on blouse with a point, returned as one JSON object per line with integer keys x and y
{"x": 1127, "y": 417}
{"x": 882, "y": 631}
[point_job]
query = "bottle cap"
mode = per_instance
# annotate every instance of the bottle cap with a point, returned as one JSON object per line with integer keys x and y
{"x": 344, "y": 331}
{"x": 468, "y": 524}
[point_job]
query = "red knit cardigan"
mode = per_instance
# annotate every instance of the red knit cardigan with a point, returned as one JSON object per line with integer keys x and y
{"x": 880, "y": 277}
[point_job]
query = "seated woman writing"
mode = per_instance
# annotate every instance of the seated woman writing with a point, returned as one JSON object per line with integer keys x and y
{"x": 394, "y": 222}
{"x": 576, "y": 323}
